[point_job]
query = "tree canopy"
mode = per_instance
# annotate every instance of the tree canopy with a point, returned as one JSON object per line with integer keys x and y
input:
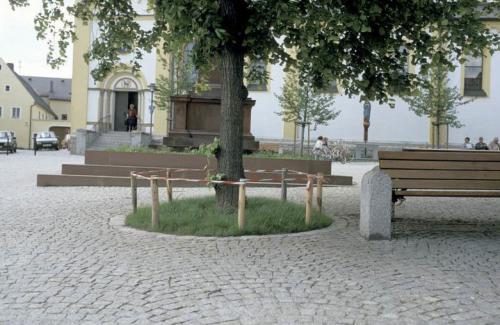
{"x": 354, "y": 42}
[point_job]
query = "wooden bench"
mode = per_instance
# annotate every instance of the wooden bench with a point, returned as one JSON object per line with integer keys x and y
{"x": 442, "y": 173}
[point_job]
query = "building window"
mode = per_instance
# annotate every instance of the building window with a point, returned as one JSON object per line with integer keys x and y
{"x": 7, "y": 88}
{"x": 331, "y": 89}
{"x": 16, "y": 112}
{"x": 259, "y": 84}
{"x": 64, "y": 117}
{"x": 473, "y": 76}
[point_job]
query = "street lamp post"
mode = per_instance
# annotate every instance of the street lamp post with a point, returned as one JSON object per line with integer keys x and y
{"x": 152, "y": 88}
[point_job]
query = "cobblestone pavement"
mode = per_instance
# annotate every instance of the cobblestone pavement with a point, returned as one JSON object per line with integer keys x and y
{"x": 62, "y": 261}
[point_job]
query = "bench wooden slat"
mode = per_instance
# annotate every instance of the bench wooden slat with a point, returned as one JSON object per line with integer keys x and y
{"x": 439, "y": 165}
{"x": 435, "y": 155}
{"x": 443, "y": 174}
{"x": 448, "y": 193}
{"x": 447, "y": 150}
{"x": 445, "y": 184}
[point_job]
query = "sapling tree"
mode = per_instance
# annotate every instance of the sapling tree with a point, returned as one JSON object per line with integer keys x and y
{"x": 303, "y": 105}
{"x": 437, "y": 100}
{"x": 355, "y": 42}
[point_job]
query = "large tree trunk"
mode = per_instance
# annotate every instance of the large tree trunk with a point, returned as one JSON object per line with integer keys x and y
{"x": 229, "y": 158}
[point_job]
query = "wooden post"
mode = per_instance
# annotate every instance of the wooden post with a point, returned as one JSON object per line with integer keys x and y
{"x": 309, "y": 198}
{"x": 319, "y": 191}
{"x": 168, "y": 186}
{"x": 155, "y": 206}
{"x": 241, "y": 205}
{"x": 283, "y": 184}
{"x": 133, "y": 187}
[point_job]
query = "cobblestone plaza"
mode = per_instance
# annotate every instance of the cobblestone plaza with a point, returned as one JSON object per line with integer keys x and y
{"x": 65, "y": 258}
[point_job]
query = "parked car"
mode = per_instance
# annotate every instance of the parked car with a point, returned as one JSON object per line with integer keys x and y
{"x": 8, "y": 141}
{"x": 46, "y": 140}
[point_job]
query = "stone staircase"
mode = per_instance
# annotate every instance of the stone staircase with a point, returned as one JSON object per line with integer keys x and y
{"x": 111, "y": 139}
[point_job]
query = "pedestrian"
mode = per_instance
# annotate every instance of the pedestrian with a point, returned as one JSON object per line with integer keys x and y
{"x": 325, "y": 148}
{"x": 467, "y": 145}
{"x": 325, "y": 144}
{"x": 66, "y": 141}
{"x": 318, "y": 146}
{"x": 481, "y": 145}
{"x": 494, "y": 144}
{"x": 131, "y": 118}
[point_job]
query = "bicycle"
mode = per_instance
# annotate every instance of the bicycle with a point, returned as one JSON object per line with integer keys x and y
{"x": 341, "y": 152}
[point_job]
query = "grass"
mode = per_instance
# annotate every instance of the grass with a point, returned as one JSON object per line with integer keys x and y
{"x": 276, "y": 155}
{"x": 128, "y": 148}
{"x": 167, "y": 150}
{"x": 199, "y": 217}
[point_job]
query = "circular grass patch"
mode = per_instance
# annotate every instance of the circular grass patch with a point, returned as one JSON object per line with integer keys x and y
{"x": 200, "y": 217}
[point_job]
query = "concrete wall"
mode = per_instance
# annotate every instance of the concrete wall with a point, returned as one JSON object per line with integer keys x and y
{"x": 482, "y": 116}
{"x": 265, "y": 122}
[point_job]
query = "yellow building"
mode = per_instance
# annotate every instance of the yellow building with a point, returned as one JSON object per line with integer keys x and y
{"x": 33, "y": 104}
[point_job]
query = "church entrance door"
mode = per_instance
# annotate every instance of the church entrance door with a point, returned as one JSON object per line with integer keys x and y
{"x": 122, "y": 101}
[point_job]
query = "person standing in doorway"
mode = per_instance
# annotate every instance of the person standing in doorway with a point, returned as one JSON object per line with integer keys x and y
{"x": 131, "y": 118}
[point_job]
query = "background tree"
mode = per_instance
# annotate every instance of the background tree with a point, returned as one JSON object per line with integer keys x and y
{"x": 355, "y": 42}
{"x": 302, "y": 105}
{"x": 436, "y": 100}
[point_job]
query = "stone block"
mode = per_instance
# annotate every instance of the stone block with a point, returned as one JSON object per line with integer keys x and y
{"x": 376, "y": 205}
{"x": 83, "y": 139}
{"x": 139, "y": 139}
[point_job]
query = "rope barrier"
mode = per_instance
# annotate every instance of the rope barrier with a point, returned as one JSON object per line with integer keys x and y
{"x": 178, "y": 170}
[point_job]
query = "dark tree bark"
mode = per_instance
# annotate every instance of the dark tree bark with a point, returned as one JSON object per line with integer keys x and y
{"x": 229, "y": 159}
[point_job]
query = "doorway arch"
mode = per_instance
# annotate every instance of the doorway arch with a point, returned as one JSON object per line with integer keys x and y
{"x": 118, "y": 91}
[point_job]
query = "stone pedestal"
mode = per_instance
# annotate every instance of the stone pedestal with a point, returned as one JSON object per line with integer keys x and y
{"x": 196, "y": 120}
{"x": 376, "y": 205}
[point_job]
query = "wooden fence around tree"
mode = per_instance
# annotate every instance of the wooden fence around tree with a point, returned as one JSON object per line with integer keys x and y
{"x": 282, "y": 178}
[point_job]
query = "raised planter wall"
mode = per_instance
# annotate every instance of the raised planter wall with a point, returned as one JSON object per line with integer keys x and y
{"x": 173, "y": 160}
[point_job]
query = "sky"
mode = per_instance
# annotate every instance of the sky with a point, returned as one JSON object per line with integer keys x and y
{"x": 18, "y": 43}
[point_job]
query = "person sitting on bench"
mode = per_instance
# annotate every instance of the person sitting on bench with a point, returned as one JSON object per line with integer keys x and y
{"x": 494, "y": 144}
{"x": 467, "y": 144}
{"x": 481, "y": 145}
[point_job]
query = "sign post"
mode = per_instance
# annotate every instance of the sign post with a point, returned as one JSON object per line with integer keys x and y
{"x": 366, "y": 121}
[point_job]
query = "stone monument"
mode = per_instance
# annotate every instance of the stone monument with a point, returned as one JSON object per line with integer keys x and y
{"x": 196, "y": 118}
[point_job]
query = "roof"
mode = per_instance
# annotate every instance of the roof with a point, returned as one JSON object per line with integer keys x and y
{"x": 38, "y": 100}
{"x": 53, "y": 88}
